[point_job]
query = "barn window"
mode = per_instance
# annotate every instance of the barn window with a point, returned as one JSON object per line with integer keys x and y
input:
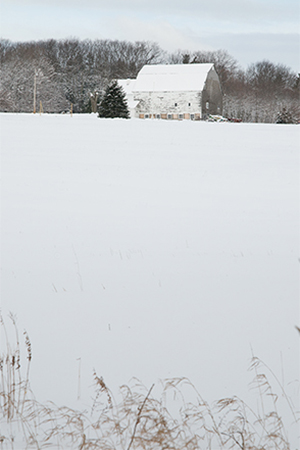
{"x": 192, "y": 116}
{"x": 189, "y": 104}
{"x": 169, "y": 116}
{"x": 146, "y": 116}
{"x": 158, "y": 116}
{"x": 175, "y": 104}
{"x": 180, "y": 116}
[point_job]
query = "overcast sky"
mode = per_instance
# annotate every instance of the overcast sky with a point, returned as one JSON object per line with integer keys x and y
{"x": 250, "y": 30}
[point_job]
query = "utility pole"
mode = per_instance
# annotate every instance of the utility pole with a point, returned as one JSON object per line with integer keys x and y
{"x": 34, "y": 93}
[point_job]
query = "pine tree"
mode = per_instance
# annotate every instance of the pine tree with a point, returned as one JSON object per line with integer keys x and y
{"x": 114, "y": 103}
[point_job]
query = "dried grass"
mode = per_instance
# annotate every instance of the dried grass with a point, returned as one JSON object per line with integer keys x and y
{"x": 138, "y": 420}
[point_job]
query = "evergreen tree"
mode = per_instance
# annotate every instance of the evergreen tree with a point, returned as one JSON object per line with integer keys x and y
{"x": 285, "y": 116}
{"x": 114, "y": 103}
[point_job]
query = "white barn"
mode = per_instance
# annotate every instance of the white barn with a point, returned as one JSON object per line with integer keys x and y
{"x": 179, "y": 91}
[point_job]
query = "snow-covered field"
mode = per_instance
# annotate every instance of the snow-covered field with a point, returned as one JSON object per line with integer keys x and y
{"x": 151, "y": 249}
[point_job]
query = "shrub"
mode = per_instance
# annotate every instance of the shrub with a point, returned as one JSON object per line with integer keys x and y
{"x": 285, "y": 116}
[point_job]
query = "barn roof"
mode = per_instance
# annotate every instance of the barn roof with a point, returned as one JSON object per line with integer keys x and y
{"x": 127, "y": 84}
{"x": 172, "y": 77}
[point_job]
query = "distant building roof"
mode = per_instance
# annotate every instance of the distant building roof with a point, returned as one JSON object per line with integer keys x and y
{"x": 127, "y": 84}
{"x": 171, "y": 77}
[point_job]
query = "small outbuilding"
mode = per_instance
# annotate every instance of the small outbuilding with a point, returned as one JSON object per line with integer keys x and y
{"x": 175, "y": 91}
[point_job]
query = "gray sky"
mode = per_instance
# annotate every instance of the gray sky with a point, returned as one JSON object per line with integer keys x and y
{"x": 250, "y": 30}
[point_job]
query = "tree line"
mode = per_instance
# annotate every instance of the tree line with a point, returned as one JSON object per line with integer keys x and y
{"x": 61, "y": 73}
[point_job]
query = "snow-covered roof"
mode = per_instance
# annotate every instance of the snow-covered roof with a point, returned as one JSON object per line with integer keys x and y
{"x": 127, "y": 85}
{"x": 132, "y": 103}
{"x": 172, "y": 77}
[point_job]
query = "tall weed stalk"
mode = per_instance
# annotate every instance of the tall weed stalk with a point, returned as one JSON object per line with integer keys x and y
{"x": 136, "y": 419}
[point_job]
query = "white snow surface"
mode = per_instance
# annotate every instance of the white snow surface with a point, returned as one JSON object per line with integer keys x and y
{"x": 172, "y": 77}
{"x": 151, "y": 249}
